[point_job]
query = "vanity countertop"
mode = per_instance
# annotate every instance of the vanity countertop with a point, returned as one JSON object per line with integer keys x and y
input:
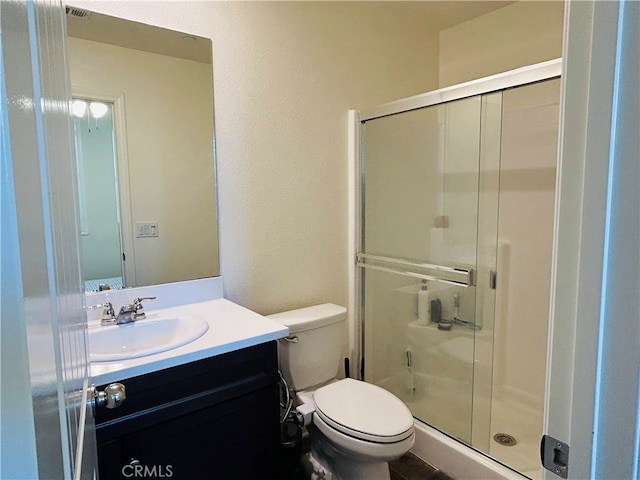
{"x": 231, "y": 327}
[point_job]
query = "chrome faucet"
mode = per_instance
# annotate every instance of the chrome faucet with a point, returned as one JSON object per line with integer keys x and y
{"x": 456, "y": 320}
{"x": 132, "y": 312}
{"x": 128, "y": 313}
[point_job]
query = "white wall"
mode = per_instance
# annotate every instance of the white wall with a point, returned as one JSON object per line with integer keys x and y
{"x": 285, "y": 74}
{"x": 520, "y": 34}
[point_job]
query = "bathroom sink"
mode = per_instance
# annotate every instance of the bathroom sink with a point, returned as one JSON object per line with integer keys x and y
{"x": 144, "y": 337}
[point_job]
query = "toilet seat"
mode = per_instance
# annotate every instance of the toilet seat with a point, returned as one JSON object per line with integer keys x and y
{"x": 363, "y": 411}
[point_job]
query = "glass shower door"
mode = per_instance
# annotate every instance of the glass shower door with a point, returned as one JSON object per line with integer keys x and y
{"x": 457, "y": 226}
{"x": 420, "y": 195}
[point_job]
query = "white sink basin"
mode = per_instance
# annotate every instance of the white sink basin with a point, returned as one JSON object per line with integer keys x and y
{"x": 144, "y": 337}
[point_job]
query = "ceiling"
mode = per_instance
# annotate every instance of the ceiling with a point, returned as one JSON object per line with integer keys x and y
{"x": 101, "y": 28}
{"x": 441, "y": 14}
{"x": 430, "y": 15}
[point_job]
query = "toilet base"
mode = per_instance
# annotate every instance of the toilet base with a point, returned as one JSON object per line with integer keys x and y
{"x": 343, "y": 466}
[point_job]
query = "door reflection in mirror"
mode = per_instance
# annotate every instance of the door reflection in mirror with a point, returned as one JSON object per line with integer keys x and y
{"x": 101, "y": 245}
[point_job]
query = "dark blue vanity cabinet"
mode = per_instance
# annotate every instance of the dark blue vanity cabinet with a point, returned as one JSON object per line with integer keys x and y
{"x": 216, "y": 418}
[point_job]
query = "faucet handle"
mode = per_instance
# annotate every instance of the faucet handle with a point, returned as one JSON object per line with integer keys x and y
{"x": 108, "y": 311}
{"x": 94, "y": 307}
{"x": 138, "y": 307}
{"x": 139, "y": 300}
{"x": 108, "y": 314}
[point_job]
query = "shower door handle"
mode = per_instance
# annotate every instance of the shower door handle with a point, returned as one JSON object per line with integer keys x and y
{"x": 463, "y": 277}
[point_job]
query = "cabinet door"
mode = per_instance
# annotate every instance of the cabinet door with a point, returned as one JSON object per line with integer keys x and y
{"x": 110, "y": 463}
{"x": 237, "y": 439}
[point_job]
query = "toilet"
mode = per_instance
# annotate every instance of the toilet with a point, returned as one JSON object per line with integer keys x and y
{"x": 356, "y": 428}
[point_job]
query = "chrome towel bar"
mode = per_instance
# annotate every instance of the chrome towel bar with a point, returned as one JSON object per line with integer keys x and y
{"x": 437, "y": 273}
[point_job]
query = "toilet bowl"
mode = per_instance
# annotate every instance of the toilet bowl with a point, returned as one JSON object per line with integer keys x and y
{"x": 365, "y": 423}
{"x": 355, "y": 427}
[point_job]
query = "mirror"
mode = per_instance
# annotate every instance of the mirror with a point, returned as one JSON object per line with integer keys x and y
{"x": 154, "y": 175}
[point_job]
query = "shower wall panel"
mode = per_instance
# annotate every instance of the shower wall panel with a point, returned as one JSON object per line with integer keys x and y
{"x": 530, "y": 116}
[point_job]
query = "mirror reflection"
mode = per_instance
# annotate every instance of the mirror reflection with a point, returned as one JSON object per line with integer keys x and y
{"x": 143, "y": 121}
{"x": 97, "y": 194}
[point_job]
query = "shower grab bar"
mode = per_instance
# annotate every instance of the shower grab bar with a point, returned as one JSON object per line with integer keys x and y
{"x": 426, "y": 271}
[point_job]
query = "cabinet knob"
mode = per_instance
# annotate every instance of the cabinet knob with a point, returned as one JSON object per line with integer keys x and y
{"x": 111, "y": 397}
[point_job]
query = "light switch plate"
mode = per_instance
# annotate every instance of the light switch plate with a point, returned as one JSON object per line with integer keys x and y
{"x": 146, "y": 229}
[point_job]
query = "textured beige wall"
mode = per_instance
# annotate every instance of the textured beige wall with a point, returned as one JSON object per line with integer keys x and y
{"x": 285, "y": 74}
{"x": 520, "y": 34}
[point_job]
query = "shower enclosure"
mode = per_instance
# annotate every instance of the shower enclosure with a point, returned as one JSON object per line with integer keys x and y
{"x": 456, "y": 206}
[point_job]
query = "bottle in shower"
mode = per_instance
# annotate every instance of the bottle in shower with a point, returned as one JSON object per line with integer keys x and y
{"x": 424, "y": 305}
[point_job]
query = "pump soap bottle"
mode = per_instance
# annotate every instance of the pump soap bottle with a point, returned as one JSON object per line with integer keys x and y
{"x": 424, "y": 305}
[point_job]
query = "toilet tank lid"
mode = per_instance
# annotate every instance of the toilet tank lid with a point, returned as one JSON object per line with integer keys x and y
{"x": 310, "y": 317}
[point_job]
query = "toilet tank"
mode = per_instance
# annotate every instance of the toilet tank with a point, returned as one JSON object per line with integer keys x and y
{"x": 310, "y": 355}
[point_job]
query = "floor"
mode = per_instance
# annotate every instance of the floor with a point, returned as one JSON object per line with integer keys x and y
{"x": 114, "y": 283}
{"x": 407, "y": 467}
{"x": 410, "y": 467}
